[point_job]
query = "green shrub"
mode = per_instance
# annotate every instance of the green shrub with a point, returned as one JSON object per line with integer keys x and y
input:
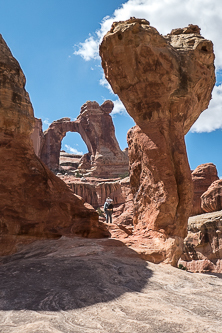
{"x": 180, "y": 266}
{"x": 78, "y": 175}
{"x": 100, "y": 212}
{"x": 126, "y": 174}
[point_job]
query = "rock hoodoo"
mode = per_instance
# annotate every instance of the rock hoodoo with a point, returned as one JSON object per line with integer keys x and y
{"x": 34, "y": 203}
{"x": 165, "y": 82}
{"x": 203, "y": 176}
{"x": 95, "y": 125}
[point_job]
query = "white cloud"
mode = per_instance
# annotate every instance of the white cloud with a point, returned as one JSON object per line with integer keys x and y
{"x": 166, "y": 15}
{"x": 210, "y": 119}
{"x": 46, "y": 124}
{"x": 163, "y": 15}
{"x": 73, "y": 150}
{"x": 89, "y": 49}
{"x": 119, "y": 108}
{"x": 103, "y": 82}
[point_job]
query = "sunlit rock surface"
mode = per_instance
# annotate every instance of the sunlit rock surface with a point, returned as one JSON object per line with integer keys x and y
{"x": 203, "y": 244}
{"x": 165, "y": 82}
{"x": 84, "y": 285}
{"x": 203, "y": 176}
{"x": 34, "y": 203}
{"x": 211, "y": 200}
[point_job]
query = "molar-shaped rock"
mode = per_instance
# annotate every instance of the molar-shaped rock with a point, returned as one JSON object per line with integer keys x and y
{"x": 165, "y": 82}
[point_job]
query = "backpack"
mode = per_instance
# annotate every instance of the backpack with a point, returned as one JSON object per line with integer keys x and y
{"x": 109, "y": 206}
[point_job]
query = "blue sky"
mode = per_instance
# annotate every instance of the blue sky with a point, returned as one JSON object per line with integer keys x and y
{"x": 56, "y": 43}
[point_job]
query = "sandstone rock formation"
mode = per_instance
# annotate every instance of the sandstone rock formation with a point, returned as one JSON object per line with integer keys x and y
{"x": 95, "y": 191}
{"x": 33, "y": 201}
{"x": 203, "y": 176}
{"x": 37, "y": 136}
{"x": 203, "y": 244}
{"x": 211, "y": 200}
{"x": 68, "y": 162}
{"x": 94, "y": 124}
{"x": 164, "y": 83}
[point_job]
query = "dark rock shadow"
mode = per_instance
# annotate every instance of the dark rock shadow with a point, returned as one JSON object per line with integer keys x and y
{"x": 219, "y": 275}
{"x": 40, "y": 280}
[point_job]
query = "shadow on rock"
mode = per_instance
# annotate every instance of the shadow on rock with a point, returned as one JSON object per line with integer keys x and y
{"x": 69, "y": 273}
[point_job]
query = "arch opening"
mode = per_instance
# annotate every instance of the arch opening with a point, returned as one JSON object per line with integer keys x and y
{"x": 73, "y": 148}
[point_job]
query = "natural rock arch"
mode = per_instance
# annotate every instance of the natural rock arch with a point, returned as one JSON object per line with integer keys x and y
{"x": 34, "y": 203}
{"x": 94, "y": 124}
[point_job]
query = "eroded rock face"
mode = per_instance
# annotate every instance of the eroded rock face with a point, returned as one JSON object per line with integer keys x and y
{"x": 34, "y": 203}
{"x": 95, "y": 191}
{"x": 203, "y": 244}
{"x": 211, "y": 200}
{"x": 94, "y": 124}
{"x": 37, "y": 136}
{"x": 203, "y": 176}
{"x": 164, "y": 83}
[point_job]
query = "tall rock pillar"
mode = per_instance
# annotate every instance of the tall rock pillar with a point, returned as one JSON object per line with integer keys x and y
{"x": 165, "y": 82}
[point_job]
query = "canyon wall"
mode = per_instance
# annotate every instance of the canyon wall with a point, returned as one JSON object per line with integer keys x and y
{"x": 164, "y": 82}
{"x": 34, "y": 203}
{"x": 95, "y": 191}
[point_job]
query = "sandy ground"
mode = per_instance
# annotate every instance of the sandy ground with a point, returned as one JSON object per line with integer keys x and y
{"x": 74, "y": 285}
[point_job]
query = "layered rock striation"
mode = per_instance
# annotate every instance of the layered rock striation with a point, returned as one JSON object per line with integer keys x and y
{"x": 34, "y": 203}
{"x": 165, "y": 82}
{"x": 95, "y": 191}
{"x": 95, "y": 125}
{"x": 203, "y": 176}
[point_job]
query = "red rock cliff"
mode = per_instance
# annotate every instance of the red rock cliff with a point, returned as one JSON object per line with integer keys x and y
{"x": 33, "y": 201}
{"x": 165, "y": 82}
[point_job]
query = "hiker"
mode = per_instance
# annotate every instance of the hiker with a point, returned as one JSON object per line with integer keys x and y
{"x": 108, "y": 209}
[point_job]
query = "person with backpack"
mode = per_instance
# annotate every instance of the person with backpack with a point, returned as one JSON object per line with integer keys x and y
{"x": 108, "y": 209}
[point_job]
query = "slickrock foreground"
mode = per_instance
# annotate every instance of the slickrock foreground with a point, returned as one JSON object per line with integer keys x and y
{"x": 34, "y": 203}
{"x": 165, "y": 82}
{"x": 87, "y": 286}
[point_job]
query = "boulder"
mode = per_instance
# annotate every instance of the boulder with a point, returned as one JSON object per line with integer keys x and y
{"x": 34, "y": 203}
{"x": 211, "y": 200}
{"x": 164, "y": 82}
{"x": 95, "y": 125}
{"x": 203, "y": 176}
